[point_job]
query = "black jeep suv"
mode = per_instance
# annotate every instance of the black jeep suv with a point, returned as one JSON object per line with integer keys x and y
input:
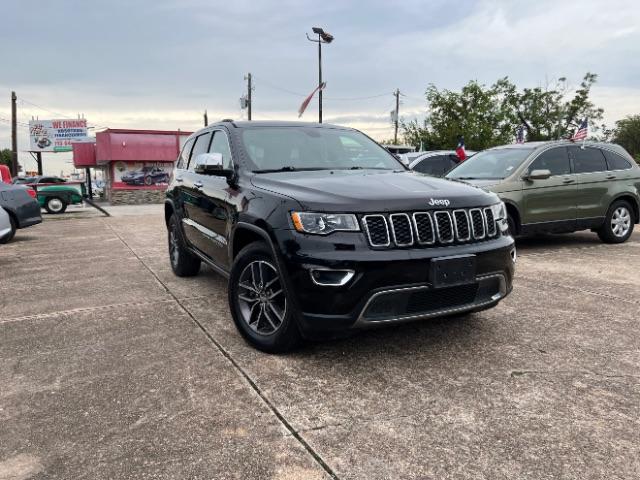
{"x": 320, "y": 229}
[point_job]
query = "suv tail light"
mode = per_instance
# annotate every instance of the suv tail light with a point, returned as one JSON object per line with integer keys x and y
{"x": 31, "y": 192}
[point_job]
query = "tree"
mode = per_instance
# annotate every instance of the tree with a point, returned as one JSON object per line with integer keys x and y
{"x": 489, "y": 116}
{"x": 6, "y": 157}
{"x": 627, "y": 134}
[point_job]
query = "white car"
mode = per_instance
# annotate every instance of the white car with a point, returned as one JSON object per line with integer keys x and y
{"x": 5, "y": 224}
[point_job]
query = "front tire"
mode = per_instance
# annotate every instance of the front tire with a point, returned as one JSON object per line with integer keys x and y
{"x": 259, "y": 302}
{"x": 618, "y": 224}
{"x": 55, "y": 205}
{"x": 183, "y": 262}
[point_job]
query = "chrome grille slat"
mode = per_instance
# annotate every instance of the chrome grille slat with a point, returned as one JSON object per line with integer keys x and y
{"x": 462, "y": 226}
{"x": 401, "y": 229}
{"x": 373, "y": 226}
{"x": 444, "y": 226}
{"x": 490, "y": 222}
{"x": 424, "y": 228}
{"x": 477, "y": 223}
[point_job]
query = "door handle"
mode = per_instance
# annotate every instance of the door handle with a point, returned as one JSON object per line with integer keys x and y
{"x": 610, "y": 177}
{"x": 568, "y": 180}
{"x": 197, "y": 184}
{"x": 179, "y": 179}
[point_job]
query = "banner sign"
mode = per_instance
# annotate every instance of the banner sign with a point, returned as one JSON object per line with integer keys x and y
{"x": 144, "y": 175}
{"x": 56, "y": 135}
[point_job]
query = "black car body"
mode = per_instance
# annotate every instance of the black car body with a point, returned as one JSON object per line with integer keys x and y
{"x": 23, "y": 209}
{"x": 146, "y": 176}
{"x": 418, "y": 246}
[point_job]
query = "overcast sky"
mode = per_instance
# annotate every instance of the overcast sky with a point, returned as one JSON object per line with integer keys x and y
{"x": 160, "y": 63}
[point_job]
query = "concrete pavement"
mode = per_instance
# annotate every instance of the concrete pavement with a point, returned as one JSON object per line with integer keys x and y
{"x": 111, "y": 367}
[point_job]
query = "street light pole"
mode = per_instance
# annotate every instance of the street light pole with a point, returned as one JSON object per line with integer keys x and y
{"x": 323, "y": 37}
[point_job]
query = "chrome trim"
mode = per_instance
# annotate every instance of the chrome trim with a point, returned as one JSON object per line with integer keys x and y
{"x": 453, "y": 233}
{"x": 362, "y": 322}
{"x": 473, "y": 226}
{"x": 366, "y": 228}
{"x": 205, "y": 231}
{"x": 433, "y": 230}
{"x": 455, "y": 224}
{"x": 486, "y": 222}
{"x": 346, "y": 279}
{"x": 393, "y": 229}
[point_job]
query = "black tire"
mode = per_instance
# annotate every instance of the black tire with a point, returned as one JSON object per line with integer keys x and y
{"x": 55, "y": 205}
{"x": 9, "y": 236}
{"x": 609, "y": 233}
{"x": 148, "y": 181}
{"x": 274, "y": 328}
{"x": 513, "y": 229}
{"x": 183, "y": 262}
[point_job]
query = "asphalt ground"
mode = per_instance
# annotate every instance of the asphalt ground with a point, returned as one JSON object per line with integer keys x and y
{"x": 112, "y": 367}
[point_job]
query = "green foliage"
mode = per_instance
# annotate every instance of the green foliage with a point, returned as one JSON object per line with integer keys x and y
{"x": 627, "y": 134}
{"x": 489, "y": 116}
{"x": 5, "y": 157}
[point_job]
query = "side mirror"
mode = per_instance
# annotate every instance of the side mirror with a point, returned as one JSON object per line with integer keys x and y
{"x": 539, "y": 175}
{"x": 211, "y": 164}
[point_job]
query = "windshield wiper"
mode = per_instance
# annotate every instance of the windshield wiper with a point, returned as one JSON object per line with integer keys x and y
{"x": 289, "y": 168}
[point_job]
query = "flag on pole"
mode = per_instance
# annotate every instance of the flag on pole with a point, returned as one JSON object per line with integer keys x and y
{"x": 305, "y": 104}
{"x": 520, "y": 134}
{"x": 583, "y": 130}
{"x": 460, "y": 151}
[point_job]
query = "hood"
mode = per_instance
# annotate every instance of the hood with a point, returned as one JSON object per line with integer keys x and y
{"x": 372, "y": 190}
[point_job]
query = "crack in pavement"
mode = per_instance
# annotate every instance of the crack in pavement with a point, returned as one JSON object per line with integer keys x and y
{"x": 252, "y": 384}
{"x": 578, "y": 289}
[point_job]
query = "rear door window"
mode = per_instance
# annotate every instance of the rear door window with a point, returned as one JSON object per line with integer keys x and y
{"x": 429, "y": 165}
{"x": 201, "y": 146}
{"x": 586, "y": 160}
{"x": 556, "y": 160}
{"x": 615, "y": 161}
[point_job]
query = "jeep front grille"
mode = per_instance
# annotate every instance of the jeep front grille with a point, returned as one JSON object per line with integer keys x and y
{"x": 442, "y": 227}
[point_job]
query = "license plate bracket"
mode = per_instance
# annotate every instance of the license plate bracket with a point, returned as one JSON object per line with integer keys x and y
{"x": 455, "y": 270}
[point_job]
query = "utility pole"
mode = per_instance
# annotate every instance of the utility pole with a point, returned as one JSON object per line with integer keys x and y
{"x": 396, "y": 116}
{"x": 206, "y": 119}
{"x": 249, "y": 96}
{"x": 14, "y": 135}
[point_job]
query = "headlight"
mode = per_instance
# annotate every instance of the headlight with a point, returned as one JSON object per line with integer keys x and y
{"x": 324, "y": 223}
{"x": 499, "y": 211}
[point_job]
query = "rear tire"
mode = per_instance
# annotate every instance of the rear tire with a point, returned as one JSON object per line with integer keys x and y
{"x": 183, "y": 262}
{"x": 513, "y": 231}
{"x": 55, "y": 205}
{"x": 260, "y": 304}
{"x": 9, "y": 236}
{"x": 618, "y": 224}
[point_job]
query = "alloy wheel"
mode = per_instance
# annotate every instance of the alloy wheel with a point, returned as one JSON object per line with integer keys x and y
{"x": 55, "y": 204}
{"x": 261, "y": 296}
{"x": 620, "y": 222}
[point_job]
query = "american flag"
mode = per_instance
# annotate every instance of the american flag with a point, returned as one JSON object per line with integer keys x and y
{"x": 581, "y": 133}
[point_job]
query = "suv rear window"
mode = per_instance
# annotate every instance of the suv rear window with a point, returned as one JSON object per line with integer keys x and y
{"x": 555, "y": 160}
{"x": 615, "y": 161}
{"x": 587, "y": 160}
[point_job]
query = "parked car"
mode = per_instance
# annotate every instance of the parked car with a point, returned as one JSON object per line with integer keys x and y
{"x": 319, "y": 229}
{"x": 435, "y": 163}
{"x": 146, "y": 176}
{"x": 55, "y": 193}
{"x": 19, "y": 203}
{"x": 6, "y": 227}
{"x": 561, "y": 186}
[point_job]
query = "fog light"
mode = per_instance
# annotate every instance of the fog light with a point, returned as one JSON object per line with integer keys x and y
{"x": 326, "y": 277}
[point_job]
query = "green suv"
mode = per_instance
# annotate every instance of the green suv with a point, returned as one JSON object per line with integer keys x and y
{"x": 560, "y": 187}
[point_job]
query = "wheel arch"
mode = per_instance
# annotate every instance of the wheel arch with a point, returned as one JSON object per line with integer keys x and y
{"x": 245, "y": 233}
{"x": 633, "y": 201}
{"x": 514, "y": 211}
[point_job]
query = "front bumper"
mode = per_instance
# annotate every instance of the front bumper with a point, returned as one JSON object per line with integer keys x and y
{"x": 387, "y": 286}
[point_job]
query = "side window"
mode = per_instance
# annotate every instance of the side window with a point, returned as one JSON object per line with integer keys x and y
{"x": 555, "y": 160}
{"x": 201, "y": 146}
{"x": 428, "y": 166}
{"x": 587, "y": 160}
{"x": 183, "y": 159}
{"x": 615, "y": 161}
{"x": 220, "y": 144}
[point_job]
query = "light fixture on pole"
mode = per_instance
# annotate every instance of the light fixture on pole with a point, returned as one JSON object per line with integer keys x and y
{"x": 323, "y": 37}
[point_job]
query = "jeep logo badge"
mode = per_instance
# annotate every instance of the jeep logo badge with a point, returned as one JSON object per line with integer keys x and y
{"x": 439, "y": 202}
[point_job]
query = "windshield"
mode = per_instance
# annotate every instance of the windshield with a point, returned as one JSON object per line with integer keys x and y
{"x": 290, "y": 148}
{"x": 490, "y": 164}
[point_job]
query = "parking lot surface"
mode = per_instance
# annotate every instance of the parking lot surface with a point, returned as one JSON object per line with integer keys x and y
{"x": 112, "y": 367}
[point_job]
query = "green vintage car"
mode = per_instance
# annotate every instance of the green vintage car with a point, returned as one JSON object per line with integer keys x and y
{"x": 54, "y": 193}
{"x": 556, "y": 187}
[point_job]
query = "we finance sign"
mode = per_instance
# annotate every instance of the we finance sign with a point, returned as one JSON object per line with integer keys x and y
{"x": 56, "y": 135}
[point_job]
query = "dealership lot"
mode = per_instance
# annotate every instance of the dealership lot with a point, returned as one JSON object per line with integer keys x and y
{"x": 112, "y": 367}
